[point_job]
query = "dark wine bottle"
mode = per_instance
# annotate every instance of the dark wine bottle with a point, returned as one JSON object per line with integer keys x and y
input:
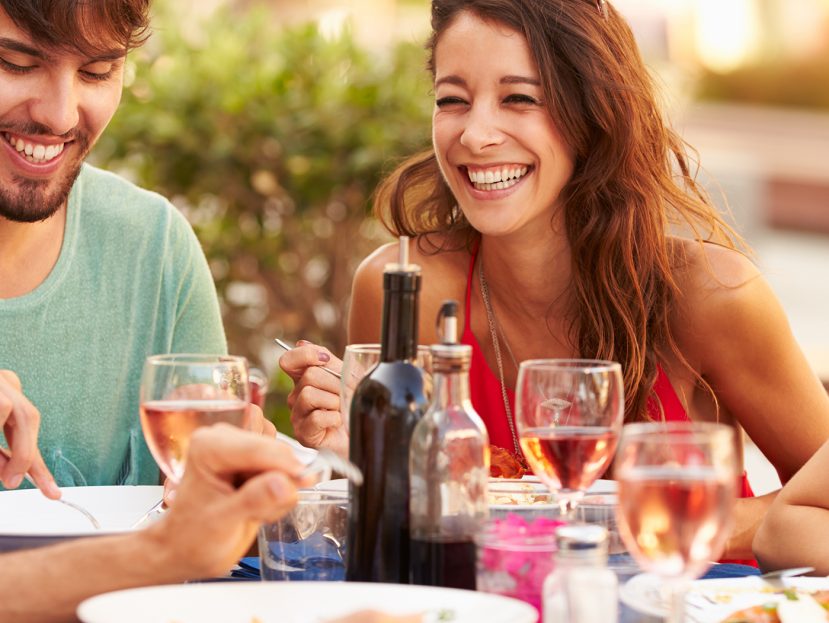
{"x": 387, "y": 404}
{"x": 449, "y": 469}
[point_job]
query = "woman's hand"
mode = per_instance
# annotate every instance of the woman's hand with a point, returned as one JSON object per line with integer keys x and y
{"x": 315, "y": 399}
{"x": 21, "y": 421}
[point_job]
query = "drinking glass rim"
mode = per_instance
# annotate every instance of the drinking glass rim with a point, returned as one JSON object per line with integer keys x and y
{"x": 491, "y": 537}
{"x": 667, "y": 429}
{"x": 370, "y": 348}
{"x": 171, "y": 359}
{"x": 588, "y": 365}
{"x": 325, "y": 497}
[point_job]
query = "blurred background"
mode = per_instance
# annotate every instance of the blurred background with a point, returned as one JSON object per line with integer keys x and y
{"x": 269, "y": 123}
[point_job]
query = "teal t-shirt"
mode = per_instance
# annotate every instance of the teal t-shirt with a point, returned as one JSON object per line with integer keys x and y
{"x": 131, "y": 281}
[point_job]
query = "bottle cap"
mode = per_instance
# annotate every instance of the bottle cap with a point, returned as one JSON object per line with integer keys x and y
{"x": 581, "y": 539}
{"x": 402, "y": 276}
{"x": 449, "y": 355}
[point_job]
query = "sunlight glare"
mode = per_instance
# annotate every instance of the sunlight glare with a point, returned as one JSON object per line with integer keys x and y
{"x": 727, "y": 33}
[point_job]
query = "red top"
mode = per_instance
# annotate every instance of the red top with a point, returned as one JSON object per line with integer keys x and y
{"x": 485, "y": 391}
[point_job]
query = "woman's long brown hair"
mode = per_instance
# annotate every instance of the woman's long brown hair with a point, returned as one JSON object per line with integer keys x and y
{"x": 631, "y": 184}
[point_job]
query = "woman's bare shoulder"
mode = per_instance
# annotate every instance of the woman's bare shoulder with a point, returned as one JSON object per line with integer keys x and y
{"x": 723, "y": 297}
{"x": 704, "y": 269}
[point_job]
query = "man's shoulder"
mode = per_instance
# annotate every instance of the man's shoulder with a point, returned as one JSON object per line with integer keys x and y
{"x": 111, "y": 196}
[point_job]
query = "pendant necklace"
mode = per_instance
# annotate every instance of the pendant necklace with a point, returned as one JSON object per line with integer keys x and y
{"x": 493, "y": 332}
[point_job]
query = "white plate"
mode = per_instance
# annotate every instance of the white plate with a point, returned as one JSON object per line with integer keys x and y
{"x": 711, "y": 601}
{"x": 295, "y": 602}
{"x": 526, "y": 485}
{"x": 28, "y": 519}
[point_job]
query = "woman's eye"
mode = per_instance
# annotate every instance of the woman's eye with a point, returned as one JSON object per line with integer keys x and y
{"x": 443, "y": 102}
{"x": 520, "y": 98}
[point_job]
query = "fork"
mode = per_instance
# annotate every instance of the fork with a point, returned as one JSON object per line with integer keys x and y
{"x": 286, "y": 346}
{"x": 158, "y": 507}
{"x": 327, "y": 461}
{"x": 77, "y": 507}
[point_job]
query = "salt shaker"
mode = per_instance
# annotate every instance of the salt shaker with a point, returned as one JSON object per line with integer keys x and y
{"x": 581, "y": 589}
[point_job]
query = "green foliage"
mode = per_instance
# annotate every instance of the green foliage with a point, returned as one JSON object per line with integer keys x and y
{"x": 271, "y": 142}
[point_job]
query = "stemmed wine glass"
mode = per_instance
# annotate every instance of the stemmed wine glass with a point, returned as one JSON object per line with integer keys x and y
{"x": 677, "y": 488}
{"x": 569, "y": 413}
{"x": 180, "y": 393}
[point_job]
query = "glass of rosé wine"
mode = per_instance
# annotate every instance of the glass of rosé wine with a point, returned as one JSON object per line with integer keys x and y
{"x": 569, "y": 414}
{"x": 180, "y": 393}
{"x": 677, "y": 488}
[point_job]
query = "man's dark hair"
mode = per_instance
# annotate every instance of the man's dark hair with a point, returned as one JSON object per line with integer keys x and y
{"x": 89, "y": 27}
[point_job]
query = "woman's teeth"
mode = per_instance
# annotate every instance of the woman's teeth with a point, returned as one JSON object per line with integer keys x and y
{"x": 34, "y": 152}
{"x": 496, "y": 179}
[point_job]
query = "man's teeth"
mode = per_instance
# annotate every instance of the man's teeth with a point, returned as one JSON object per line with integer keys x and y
{"x": 34, "y": 152}
{"x": 496, "y": 179}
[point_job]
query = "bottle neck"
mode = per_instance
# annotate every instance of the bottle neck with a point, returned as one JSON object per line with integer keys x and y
{"x": 451, "y": 388}
{"x": 400, "y": 315}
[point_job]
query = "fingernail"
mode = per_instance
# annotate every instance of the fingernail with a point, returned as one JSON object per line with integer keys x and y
{"x": 302, "y": 342}
{"x": 323, "y": 356}
{"x": 14, "y": 481}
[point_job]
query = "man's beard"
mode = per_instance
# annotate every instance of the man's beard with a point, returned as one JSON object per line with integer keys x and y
{"x": 30, "y": 202}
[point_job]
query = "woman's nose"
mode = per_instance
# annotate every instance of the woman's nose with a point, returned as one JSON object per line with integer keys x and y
{"x": 481, "y": 130}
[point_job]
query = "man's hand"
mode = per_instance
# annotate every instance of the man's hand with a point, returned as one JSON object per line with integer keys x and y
{"x": 258, "y": 423}
{"x": 234, "y": 482}
{"x": 21, "y": 421}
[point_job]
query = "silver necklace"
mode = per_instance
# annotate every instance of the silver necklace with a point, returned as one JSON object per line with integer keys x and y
{"x": 493, "y": 332}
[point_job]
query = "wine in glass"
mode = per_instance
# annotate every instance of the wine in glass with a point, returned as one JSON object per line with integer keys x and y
{"x": 180, "y": 393}
{"x": 677, "y": 488}
{"x": 569, "y": 413}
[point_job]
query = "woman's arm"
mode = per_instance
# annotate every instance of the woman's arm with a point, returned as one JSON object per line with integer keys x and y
{"x": 740, "y": 337}
{"x": 795, "y": 531}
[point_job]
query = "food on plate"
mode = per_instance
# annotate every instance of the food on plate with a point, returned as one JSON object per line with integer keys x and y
{"x": 506, "y": 464}
{"x": 798, "y": 607}
{"x": 517, "y": 494}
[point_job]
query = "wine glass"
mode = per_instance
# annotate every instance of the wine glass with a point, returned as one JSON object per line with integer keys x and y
{"x": 569, "y": 413}
{"x": 180, "y": 393}
{"x": 677, "y": 488}
{"x": 358, "y": 360}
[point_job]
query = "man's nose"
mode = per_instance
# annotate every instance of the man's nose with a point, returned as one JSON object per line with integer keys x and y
{"x": 56, "y": 107}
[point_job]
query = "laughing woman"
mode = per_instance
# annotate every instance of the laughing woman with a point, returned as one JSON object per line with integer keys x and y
{"x": 559, "y": 206}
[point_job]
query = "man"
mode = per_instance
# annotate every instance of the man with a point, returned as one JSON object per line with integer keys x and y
{"x": 95, "y": 273}
{"x": 209, "y": 527}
